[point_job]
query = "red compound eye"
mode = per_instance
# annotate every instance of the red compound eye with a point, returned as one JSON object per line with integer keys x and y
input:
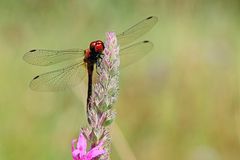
{"x": 99, "y": 47}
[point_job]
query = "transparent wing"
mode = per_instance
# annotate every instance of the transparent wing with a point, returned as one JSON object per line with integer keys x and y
{"x": 134, "y": 52}
{"x": 136, "y": 31}
{"x": 59, "y": 79}
{"x": 43, "y": 57}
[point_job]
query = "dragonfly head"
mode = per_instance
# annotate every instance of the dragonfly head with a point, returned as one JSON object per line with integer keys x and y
{"x": 97, "y": 46}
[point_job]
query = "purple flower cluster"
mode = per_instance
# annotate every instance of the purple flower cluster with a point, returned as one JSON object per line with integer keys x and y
{"x": 80, "y": 151}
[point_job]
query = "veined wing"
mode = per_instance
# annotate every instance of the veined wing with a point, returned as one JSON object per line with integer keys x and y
{"x": 134, "y": 52}
{"x": 44, "y": 57}
{"x": 59, "y": 79}
{"x": 136, "y": 31}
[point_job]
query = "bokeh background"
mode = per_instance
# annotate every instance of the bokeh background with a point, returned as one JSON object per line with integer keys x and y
{"x": 181, "y": 102}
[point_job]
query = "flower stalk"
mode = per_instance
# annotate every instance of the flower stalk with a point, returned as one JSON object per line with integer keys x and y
{"x": 94, "y": 141}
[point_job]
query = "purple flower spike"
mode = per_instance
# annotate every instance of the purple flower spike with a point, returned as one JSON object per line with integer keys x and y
{"x": 94, "y": 141}
{"x": 80, "y": 152}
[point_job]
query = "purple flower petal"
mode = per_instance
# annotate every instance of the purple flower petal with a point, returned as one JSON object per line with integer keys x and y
{"x": 82, "y": 145}
{"x": 96, "y": 151}
{"x": 75, "y": 153}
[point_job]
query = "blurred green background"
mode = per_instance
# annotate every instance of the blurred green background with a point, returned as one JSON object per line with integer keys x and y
{"x": 181, "y": 102}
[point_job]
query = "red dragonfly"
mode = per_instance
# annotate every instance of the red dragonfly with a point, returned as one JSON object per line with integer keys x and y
{"x": 73, "y": 74}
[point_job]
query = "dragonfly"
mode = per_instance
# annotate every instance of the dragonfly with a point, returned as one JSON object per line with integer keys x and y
{"x": 72, "y": 75}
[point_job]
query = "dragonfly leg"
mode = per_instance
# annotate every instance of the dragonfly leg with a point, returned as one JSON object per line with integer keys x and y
{"x": 97, "y": 70}
{"x": 99, "y": 61}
